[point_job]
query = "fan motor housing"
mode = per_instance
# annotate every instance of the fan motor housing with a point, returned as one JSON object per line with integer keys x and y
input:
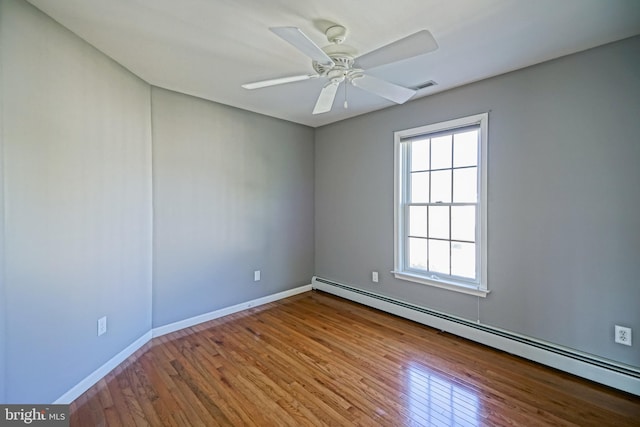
{"x": 343, "y": 63}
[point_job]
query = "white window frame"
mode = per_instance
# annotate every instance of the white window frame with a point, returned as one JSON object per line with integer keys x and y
{"x": 479, "y": 288}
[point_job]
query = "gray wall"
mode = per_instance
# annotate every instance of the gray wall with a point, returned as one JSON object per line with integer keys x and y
{"x": 563, "y": 221}
{"x": 76, "y": 135}
{"x": 233, "y": 193}
{"x": 89, "y": 206}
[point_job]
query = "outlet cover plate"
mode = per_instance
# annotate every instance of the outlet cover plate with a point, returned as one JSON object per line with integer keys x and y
{"x": 623, "y": 335}
{"x": 102, "y": 325}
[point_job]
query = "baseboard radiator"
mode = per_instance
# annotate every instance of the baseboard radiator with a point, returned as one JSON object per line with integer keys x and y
{"x": 604, "y": 371}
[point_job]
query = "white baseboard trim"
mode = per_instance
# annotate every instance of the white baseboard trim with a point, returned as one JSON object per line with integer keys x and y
{"x": 604, "y": 371}
{"x": 103, "y": 370}
{"x": 176, "y": 326}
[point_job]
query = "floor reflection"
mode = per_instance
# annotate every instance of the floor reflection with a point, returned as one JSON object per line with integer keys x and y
{"x": 436, "y": 401}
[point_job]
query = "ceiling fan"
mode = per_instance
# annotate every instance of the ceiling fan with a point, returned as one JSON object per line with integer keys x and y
{"x": 339, "y": 63}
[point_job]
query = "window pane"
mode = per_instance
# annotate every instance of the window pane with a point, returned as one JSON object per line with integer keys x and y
{"x": 463, "y": 259}
{"x": 465, "y": 149}
{"x": 420, "y": 187}
{"x": 441, "y": 152}
{"x": 463, "y": 223}
{"x": 439, "y": 182}
{"x": 439, "y": 222}
{"x": 418, "y": 253}
{"x": 465, "y": 188}
{"x": 418, "y": 221}
{"x": 441, "y": 186}
{"x": 439, "y": 256}
{"x": 420, "y": 155}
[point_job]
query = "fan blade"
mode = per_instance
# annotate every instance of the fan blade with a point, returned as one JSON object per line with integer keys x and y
{"x": 383, "y": 88}
{"x": 304, "y": 44}
{"x": 325, "y": 100}
{"x": 408, "y": 47}
{"x": 278, "y": 81}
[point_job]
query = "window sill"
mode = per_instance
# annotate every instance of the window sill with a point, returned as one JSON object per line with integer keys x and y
{"x": 469, "y": 290}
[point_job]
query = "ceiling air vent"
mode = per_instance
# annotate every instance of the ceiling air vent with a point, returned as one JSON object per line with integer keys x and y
{"x": 424, "y": 85}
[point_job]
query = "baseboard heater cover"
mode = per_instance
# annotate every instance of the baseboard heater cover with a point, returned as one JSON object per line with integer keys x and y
{"x": 603, "y": 371}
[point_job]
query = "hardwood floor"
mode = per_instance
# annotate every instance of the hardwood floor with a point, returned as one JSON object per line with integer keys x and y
{"x": 314, "y": 360}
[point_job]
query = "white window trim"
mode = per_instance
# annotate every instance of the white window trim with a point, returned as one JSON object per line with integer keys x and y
{"x": 481, "y": 289}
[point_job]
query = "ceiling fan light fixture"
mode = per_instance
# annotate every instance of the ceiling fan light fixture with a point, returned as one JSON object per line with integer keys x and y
{"x": 338, "y": 62}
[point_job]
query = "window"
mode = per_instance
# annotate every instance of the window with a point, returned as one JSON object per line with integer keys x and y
{"x": 440, "y": 204}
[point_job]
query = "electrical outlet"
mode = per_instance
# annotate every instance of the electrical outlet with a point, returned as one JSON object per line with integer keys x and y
{"x": 102, "y": 325}
{"x": 623, "y": 335}
{"x": 374, "y": 276}
{"x": 256, "y": 276}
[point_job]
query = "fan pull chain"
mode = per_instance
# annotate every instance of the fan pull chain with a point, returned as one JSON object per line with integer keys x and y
{"x": 345, "y": 95}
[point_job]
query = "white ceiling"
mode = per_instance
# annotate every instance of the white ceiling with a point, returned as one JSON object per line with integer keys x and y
{"x": 208, "y": 48}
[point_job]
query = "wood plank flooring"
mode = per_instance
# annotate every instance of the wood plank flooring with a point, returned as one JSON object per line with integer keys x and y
{"x": 317, "y": 360}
